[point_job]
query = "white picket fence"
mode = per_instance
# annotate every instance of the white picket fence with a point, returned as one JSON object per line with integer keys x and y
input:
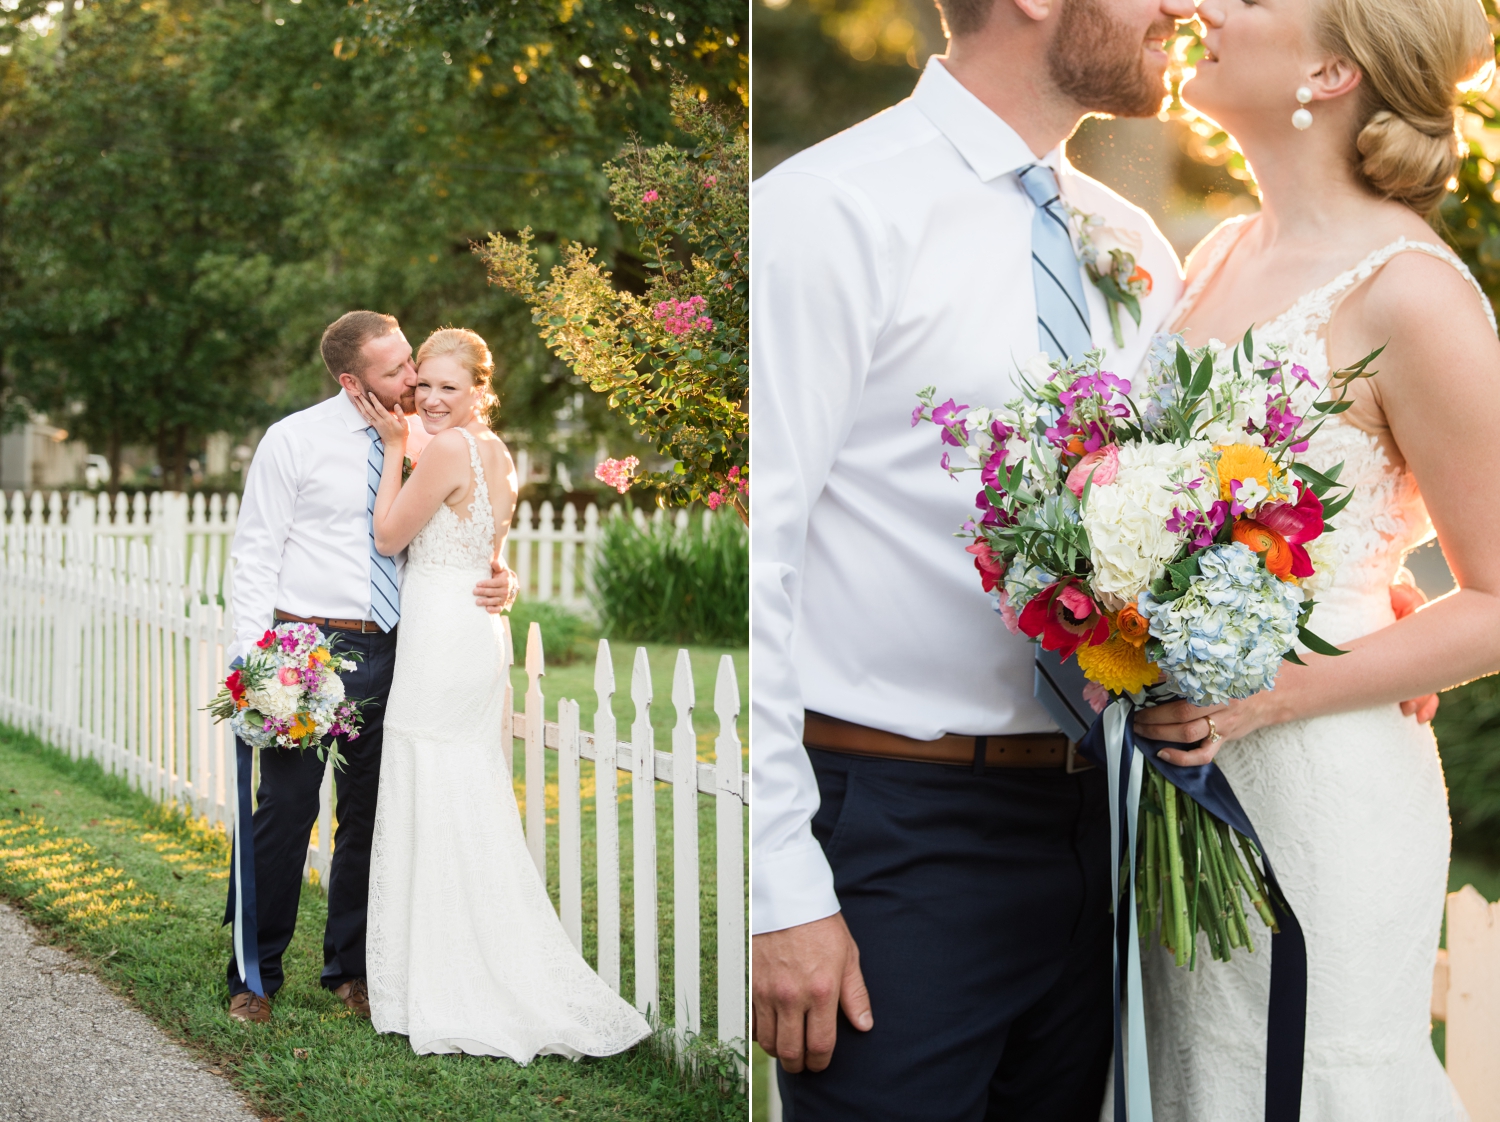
{"x": 110, "y": 649}
{"x": 551, "y": 554}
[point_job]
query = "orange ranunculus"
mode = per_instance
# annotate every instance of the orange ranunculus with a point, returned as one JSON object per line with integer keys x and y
{"x": 241, "y": 703}
{"x": 1075, "y": 445}
{"x": 1263, "y": 539}
{"x": 1140, "y": 282}
{"x": 1132, "y": 626}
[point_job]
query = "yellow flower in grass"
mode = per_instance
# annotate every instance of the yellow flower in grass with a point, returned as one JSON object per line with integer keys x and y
{"x": 1118, "y": 665}
{"x": 1246, "y": 462}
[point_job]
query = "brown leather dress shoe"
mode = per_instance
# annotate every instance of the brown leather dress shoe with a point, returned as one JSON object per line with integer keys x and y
{"x": 250, "y": 1007}
{"x": 356, "y": 996}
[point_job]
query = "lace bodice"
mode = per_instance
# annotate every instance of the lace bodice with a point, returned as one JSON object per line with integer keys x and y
{"x": 1386, "y": 518}
{"x": 449, "y": 541}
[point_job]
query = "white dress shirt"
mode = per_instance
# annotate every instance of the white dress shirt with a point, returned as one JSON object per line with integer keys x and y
{"x": 893, "y": 256}
{"x": 302, "y": 543}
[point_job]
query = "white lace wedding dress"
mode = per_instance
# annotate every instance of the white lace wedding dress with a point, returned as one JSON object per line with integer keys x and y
{"x": 465, "y": 953}
{"x": 1354, "y": 815}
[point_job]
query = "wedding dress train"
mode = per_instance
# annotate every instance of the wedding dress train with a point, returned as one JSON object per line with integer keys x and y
{"x": 464, "y": 949}
{"x": 1354, "y": 815}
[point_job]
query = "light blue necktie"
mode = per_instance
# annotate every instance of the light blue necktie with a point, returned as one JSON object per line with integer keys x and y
{"x": 1062, "y": 317}
{"x": 385, "y": 595}
{"x": 1062, "y": 313}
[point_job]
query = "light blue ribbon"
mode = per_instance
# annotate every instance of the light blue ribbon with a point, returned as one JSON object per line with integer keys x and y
{"x": 1137, "y": 1073}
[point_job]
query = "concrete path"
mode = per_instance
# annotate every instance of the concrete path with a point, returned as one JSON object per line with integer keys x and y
{"x": 71, "y": 1050}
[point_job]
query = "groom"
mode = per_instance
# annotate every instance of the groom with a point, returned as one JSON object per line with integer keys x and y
{"x": 931, "y": 882}
{"x": 304, "y": 552}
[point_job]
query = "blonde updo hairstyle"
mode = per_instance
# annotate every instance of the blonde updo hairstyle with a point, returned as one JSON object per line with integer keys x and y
{"x": 473, "y": 354}
{"x": 1412, "y": 55}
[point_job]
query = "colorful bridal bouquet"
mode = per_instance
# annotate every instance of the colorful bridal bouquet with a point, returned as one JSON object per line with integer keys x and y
{"x": 288, "y": 693}
{"x": 1166, "y": 536}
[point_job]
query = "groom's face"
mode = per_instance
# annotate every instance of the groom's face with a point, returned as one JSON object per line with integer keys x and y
{"x": 1109, "y": 56}
{"x": 389, "y": 372}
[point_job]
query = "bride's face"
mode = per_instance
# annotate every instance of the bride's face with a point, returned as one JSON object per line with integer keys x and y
{"x": 445, "y": 394}
{"x": 1258, "y": 53}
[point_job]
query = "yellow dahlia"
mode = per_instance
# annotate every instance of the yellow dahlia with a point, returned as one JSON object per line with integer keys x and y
{"x": 1245, "y": 462}
{"x": 1117, "y": 665}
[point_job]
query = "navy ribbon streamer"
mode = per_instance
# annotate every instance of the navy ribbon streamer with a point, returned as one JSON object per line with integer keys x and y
{"x": 241, "y": 909}
{"x": 1286, "y": 1025}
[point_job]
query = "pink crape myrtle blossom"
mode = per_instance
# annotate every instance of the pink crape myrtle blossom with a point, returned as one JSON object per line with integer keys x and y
{"x": 681, "y": 316}
{"x": 650, "y": 196}
{"x": 617, "y": 473}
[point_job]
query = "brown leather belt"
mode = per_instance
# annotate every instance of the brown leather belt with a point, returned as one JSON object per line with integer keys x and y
{"x": 1035, "y": 750}
{"x": 363, "y": 626}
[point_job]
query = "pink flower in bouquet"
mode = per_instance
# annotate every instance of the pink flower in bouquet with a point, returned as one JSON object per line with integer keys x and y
{"x": 1096, "y": 695}
{"x": 1008, "y": 613}
{"x": 945, "y": 417}
{"x": 617, "y": 473}
{"x": 289, "y": 676}
{"x": 1064, "y": 617}
{"x": 1297, "y": 524}
{"x": 1102, "y": 466}
{"x": 990, "y": 567}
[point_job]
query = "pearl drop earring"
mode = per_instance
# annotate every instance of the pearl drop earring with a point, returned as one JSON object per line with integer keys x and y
{"x": 1302, "y": 119}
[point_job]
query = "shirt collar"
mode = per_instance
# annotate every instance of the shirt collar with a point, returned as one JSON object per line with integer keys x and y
{"x": 989, "y": 145}
{"x": 348, "y": 414}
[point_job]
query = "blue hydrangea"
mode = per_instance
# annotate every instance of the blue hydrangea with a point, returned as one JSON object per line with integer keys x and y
{"x": 1225, "y": 636}
{"x": 1022, "y": 582}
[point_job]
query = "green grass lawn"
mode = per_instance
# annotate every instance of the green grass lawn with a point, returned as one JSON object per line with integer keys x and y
{"x": 138, "y": 893}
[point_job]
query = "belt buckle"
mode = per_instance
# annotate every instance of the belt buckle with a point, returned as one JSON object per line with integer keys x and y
{"x": 1073, "y": 762}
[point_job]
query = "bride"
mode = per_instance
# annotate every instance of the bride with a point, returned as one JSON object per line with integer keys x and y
{"x": 1343, "y": 785}
{"x": 465, "y": 951}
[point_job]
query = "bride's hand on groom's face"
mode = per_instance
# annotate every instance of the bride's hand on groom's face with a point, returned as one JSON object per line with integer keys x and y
{"x": 1201, "y": 730}
{"x": 390, "y": 425}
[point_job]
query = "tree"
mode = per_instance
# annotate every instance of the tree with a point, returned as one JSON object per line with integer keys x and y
{"x": 674, "y": 362}
{"x": 133, "y": 263}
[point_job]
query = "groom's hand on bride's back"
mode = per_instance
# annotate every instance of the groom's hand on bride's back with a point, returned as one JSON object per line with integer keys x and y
{"x": 499, "y": 592}
{"x": 800, "y": 978}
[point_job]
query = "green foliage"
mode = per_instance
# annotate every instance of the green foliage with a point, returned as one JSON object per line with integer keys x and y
{"x": 565, "y": 635}
{"x": 674, "y": 362}
{"x": 1468, "y": 732}
{"x": 665, "y": 585}
{"x": 263, "y": 167}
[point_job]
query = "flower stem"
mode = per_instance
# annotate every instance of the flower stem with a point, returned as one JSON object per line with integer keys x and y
{"x": 1175, "y": 879}
{"x": 1114, "y": 321}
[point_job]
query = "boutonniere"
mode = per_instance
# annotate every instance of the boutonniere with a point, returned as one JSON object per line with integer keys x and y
{"x": 407, "y": 463}
{"x": 1108, "y": 254}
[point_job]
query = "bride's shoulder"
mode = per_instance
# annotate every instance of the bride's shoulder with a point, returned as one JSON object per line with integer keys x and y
{"x": 1424, "y": 293}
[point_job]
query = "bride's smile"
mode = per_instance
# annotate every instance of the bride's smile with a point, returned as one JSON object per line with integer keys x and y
{"x": 445, "y": 394}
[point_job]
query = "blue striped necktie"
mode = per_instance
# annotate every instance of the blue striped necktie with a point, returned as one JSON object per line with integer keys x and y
{"x": 1062, "y": 316}
{"x": 1062, "y": 313}
{"x": 385, "y": 595}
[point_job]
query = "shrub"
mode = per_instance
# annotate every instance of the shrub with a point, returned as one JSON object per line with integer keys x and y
{"x": 664, "y": 585}
{"x": 565, "y": 635}
{"x": 1468, "y": 732}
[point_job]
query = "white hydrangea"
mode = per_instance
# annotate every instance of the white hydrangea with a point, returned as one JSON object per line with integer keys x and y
{"x": 1127, "y": 520}
{"x": 332, "y": 690}
{"x": 1224, "y": 637}
{"x": 1323, "y": 551}
{"x": 275, "y": 700}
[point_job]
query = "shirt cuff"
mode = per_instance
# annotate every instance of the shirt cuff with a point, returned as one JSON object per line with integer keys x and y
{"x": 791, "y": 888}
